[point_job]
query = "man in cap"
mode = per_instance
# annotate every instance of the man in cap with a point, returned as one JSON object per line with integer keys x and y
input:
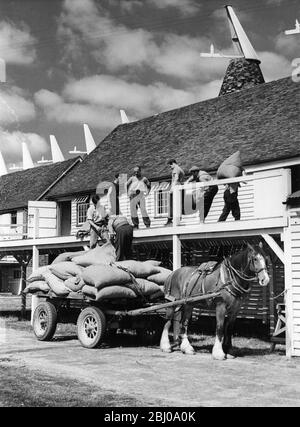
{"x": 137, "y": 188}
{"x": 208, "y": 192}
{"x": 177, "y": 179}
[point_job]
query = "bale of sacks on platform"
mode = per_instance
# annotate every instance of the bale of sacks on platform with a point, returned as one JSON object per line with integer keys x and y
{"x": 96, "y": 274}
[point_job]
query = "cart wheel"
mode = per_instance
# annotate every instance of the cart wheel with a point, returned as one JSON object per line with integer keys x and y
{"x": 91, "y": 325}
{"x": 45, "y": 321}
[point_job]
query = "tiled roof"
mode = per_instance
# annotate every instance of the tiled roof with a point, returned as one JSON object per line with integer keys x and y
{"x": 18, "y": 187}
{"x": 262, "y": 122}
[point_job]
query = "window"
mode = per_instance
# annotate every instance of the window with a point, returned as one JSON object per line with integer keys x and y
{"x": 17, "y": 274}
{"x": 161, "y": 202}
{"x": 13, "y": 218}
{"x": 81, "y": 212}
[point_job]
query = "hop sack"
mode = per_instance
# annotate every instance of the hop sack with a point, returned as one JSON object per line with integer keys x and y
{"x": 113, "y": 292}
{"x": 65, "y": 270}
{"x": 161, "y": 277}
{"x": 37, "y": 275}
{"x": 105, "y": 254}
{"x": 138, "y": 268}
{"x": 101, "y": 276}
{"x": 231, "y": 167}
{"x": 56, "y": 285}
{"x": 67, "y": 256}
{"x": 75, "y": 284}
{"x": 37, "y": 286}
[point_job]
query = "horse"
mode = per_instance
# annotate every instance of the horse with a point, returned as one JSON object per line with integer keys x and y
{"x": 231, "y": 278}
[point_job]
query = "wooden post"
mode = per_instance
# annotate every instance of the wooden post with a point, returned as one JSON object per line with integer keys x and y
{"x": 289, "y": 289}
{"x": 176, "y": 252}
{"x": 176, "y": 205}
{"x": 23, "y": 260}
{"x": 35, "y": 265}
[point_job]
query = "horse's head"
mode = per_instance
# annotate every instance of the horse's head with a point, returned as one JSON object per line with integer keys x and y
{"x": 257, "y": 263}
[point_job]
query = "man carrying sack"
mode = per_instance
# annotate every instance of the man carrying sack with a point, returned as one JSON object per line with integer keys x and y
{"x": 119, "y": 227}
{"x": 208, "y": 192}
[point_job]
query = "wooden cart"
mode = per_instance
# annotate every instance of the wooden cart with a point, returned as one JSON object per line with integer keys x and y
{"x": 94, "y": 319}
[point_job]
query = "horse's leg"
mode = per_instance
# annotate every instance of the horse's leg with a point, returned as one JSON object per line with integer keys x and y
{"x": 186, "y": 346}
{"x": 165, "y": 345}
{"x": 228, "y": 330}
{"x": 217, "y": 351}
{"x": 177, "y": 326}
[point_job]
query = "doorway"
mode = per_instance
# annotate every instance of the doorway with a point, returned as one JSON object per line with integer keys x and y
{"x": 65, "y": 218}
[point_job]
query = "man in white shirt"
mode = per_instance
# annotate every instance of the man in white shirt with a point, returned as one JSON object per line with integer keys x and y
{"x": 97, "y": 217}
{"x": 177, "y": 179}
{"x": 137, "y": 188}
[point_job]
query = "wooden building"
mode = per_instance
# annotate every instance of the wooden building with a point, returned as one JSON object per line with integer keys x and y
{"x": 261, "y": 121}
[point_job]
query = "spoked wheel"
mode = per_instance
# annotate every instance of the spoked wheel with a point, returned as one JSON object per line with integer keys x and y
{"x": 45, "y": 321}
{"x": 91, "y": 325}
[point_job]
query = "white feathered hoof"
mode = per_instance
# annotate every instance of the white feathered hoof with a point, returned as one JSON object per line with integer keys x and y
{"x": 166, "y": 349}
{"x": 186, "y": 348}
{"x": 218, "y": 354}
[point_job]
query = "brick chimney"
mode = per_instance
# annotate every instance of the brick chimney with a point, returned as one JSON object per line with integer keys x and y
{"x": 241, "y": 74}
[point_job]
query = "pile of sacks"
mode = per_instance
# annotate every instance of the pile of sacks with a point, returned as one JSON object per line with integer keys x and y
{"x": 96, "y": 274}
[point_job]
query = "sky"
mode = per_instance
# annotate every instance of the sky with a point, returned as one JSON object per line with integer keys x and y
{"x": 70, "y": 62}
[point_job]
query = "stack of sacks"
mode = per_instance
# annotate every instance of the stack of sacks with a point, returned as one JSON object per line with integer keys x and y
{"x": 95, "y": 274}
{"x": 64, "y": 275}
{"x": 114, "y": 281}
{"x": 231, "y": 167}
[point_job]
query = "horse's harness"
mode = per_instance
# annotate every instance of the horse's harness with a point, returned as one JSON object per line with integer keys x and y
{"x": 230, "y": 282}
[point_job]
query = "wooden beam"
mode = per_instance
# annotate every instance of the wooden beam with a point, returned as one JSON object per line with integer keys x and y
{"x": 35, "y": 265}
{"x": 274, "y": 246}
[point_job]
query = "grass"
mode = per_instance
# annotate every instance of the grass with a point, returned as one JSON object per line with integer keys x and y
{"x": 22, "y": 387}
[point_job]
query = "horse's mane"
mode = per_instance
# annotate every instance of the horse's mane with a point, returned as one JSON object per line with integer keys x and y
{"x": 242, "y": 256}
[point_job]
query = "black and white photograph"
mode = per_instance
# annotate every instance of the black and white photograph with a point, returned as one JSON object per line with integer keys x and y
{"x": 149, "y": 206}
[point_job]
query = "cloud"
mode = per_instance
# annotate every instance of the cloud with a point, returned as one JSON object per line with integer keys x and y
{"x": 97, "y": 100}
{"x": 59, "y": 110}
{"x": 274, "y": 66}
{"x": 184, "y": 7}
{"x": 15, "y": 107}
{"x": 17, "y": 44}
{"x": 121, "y": 49}
{"x": 11, "y": 144}
{"x": 288, "y": 45}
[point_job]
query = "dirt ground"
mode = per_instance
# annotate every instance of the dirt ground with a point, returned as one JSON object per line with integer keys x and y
{"x": 143, "y": 376}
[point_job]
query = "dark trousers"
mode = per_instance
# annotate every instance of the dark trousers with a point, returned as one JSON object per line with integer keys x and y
{"x": 208, "y": 198}
{"x": 123, "y": 242}
{"x": 231, "y": 205}
{"x": 170, "y": 215}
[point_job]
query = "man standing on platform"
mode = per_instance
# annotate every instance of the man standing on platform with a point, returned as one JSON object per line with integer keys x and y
{"x": 137, "y": 188}
{"x": 97, "y": 217}
{"x": 208, "y": 192}
{"x": 177, "y": 179}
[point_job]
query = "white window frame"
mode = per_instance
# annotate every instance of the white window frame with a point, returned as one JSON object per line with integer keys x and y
{"x": 161, "y": 202}
{"x": 80, "y": 203}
